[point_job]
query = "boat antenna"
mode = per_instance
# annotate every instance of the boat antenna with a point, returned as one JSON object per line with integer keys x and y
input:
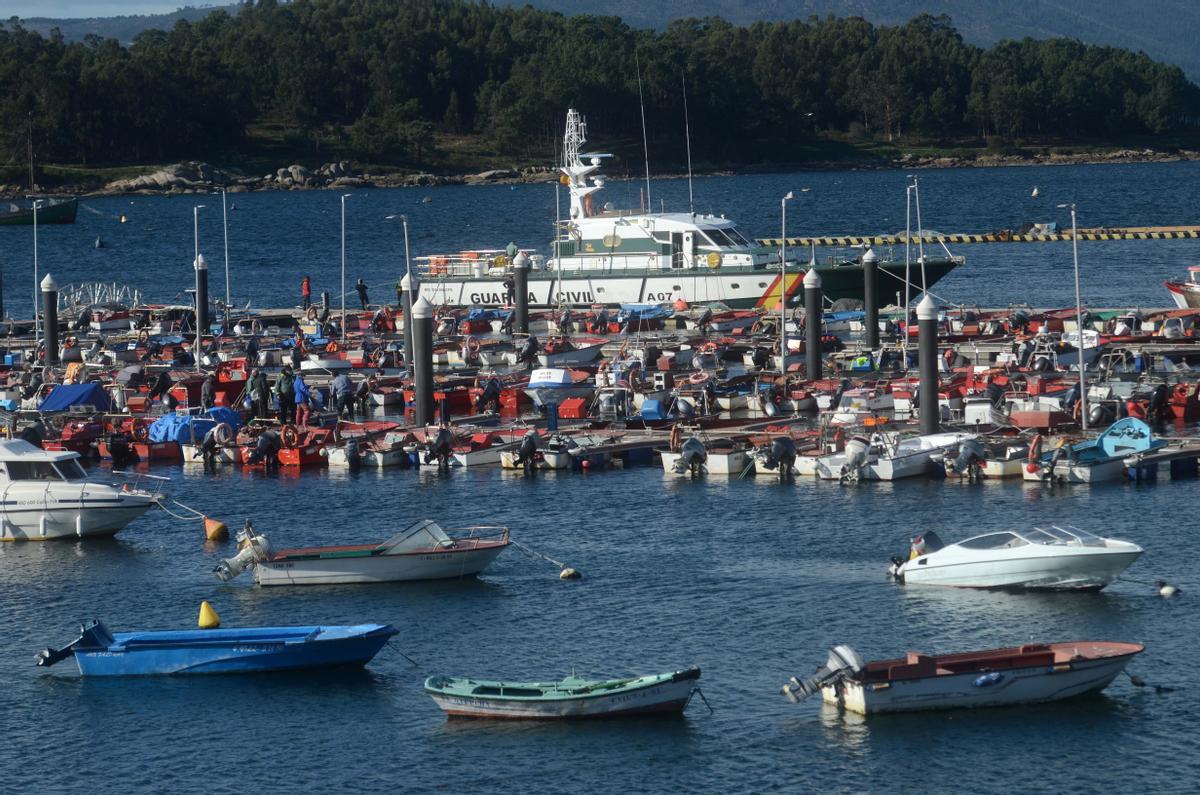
{"x": 687, "y": 135}
{"x": 645, "y": 145}
{"x": 920, "y": 234}
{"x": 32, "y": 183}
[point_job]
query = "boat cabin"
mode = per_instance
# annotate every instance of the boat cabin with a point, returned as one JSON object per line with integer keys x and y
{"x": 20, "y": 460}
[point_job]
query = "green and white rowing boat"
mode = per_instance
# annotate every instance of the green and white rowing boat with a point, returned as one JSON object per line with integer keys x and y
{"x": 572, "y": 697}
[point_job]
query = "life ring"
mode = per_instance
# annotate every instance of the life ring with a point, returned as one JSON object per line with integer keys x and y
{"x": 698, "y": 378}
{"x": 58, "y": 421}
{"x": 1181, "y": 392}
{"x": 139, "y": 431}
{"x": 143, "y": 337}
{"x": 473, "y": 345}
{"x": 1033, "y": 459}
{"x": 291, "y": 436}
{"x": 223, "y": 433}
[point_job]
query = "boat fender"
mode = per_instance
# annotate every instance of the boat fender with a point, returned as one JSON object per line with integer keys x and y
{"x": 570, "y": 574}
{"x": 291, "y": 436}
{"x": 223, "y": 433}
{"x": 987, "y": 680}
{"x": 208, "y": 617}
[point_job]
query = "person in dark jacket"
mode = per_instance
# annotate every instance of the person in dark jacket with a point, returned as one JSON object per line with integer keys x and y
{"x": 361, "y": 287}
{"x": 252, "y": 350}
{"x": 343, "y": 394}
{"x": 304, "y": 398}
{"x": 266, "y": 449}
{"x": 260, "y": 393}
{"x": 285, "y": 385}
{"x": 208, "y": 392}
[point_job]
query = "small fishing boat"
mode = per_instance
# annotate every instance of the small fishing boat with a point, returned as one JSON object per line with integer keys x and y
{"x": 572, "y": 697}
{"x": 888, "y": 456}
{"x": 556, "y": 384}
{"x": 99, "y": 652}
{"x": 50, "y": 211}
{"x": 1057, "y": 558}
{"x": 1092, "y": 460}
{"x": 571, "y": 353}
{"x": 422, "y": 551}
{"x": 1028, "y": 674}
{"x": 1185, "y": 292}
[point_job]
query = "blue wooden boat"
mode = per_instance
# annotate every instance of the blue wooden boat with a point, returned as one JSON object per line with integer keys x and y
{"x": 99, "y": 652}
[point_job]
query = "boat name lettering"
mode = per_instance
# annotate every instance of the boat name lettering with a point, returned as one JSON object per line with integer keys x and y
{"x": 652, "y": 296}
{"x": 496, "y": 298}
{"x": 575, "y": 296}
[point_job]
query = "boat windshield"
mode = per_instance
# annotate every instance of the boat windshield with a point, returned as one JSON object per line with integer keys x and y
{"x": 724, "y": 238}
{"x": 994, "y": 541}
{"x": 1072, "y": 535}
{"x": 44, "y": 470}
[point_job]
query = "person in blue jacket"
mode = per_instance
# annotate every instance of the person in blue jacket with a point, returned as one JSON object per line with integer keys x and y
{"x": 303, "y": 400}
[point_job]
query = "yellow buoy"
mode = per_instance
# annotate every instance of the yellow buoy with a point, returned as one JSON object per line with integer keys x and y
{"x": 208, "y": 617}
{"x": 215, "y": 530}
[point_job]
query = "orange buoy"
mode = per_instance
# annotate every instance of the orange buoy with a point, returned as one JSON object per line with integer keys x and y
{"x": 215, "y": 530}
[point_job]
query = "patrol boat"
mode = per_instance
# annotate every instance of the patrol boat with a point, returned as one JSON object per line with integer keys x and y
{"x": 603, "y": 254}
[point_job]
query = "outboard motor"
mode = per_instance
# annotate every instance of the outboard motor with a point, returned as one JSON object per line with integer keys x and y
{"x": 440, "y": 449}
{"x": 529, "y": 350}
{"x": 760, "y": 357}
{"x": 969, "y": 461}
{"x": 782, "y": 454}
{"x": 843, "y": 663}
{"x": 705, "y": 321}
{"x": 527, "y": 452}
{"x": 93, "y": 636}
{"x": 1098, "y": 414}
{"x": 857, "y": 448}
{"x": 692, "y": 456}
{"x": 446, "y": 326}
{"x": 490, "y": 394}
{"x": 253, "y": 549}
{"x": 1159, "y": 409}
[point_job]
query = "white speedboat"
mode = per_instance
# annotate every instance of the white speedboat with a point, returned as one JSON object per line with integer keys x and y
{"x": 888, "y": 456}
{"x": 47, "y": 495}
{"x": 422, "y": 551}
{"x": 1029, "y": 674}
{"x": 1043, "y": 558}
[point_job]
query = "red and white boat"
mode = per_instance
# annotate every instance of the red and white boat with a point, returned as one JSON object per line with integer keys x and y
{"x": 1028, "y": 674}
{"x": 1185, "y": 292}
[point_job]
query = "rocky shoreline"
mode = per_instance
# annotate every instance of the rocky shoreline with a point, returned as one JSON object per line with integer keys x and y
{"x": 198, "y": 177}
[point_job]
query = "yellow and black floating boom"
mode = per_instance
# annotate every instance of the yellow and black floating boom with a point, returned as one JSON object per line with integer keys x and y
{"x": 1002, "y": 236}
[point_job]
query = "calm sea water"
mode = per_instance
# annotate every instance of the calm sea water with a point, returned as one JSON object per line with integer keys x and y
{"x": 276, "y": 238}
{"x": 751, "y": 579}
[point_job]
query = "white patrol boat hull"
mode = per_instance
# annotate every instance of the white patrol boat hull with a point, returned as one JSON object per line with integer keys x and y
{"x": 66, "y": 512}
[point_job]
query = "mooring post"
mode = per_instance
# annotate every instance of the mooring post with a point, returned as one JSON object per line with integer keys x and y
{"x": 812, "y": 324}
{"x": 871, "y": 297}
{"x": 521, "y": 288}
{"x": 422, "y": 364}
{"x": 927, "y": 346}
{"x": 50, "y": 310}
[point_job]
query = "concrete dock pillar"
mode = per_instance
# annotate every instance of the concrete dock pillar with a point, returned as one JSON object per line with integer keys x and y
{"x": 927, "y": 346}
{"x": 422, "y": 363}
{"x": 521, "y": 288}
{"x": 871, "y": 297}
{"x": 50, "y": 311}
{"x": 812, "y": 323}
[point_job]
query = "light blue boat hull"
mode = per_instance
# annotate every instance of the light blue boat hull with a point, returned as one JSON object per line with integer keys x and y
{"x": 229, "y": 651}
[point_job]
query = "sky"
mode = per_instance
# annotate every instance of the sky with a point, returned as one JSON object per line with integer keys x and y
{"x": 71, "y": 9}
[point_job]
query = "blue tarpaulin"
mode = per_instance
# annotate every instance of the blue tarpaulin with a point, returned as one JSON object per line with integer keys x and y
{"x": 188, "y": 429}
{"x": 64, "y": 396}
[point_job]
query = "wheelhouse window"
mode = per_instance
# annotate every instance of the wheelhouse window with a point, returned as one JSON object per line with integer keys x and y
{"x": 71, "y": 469}
{"x": 32, "y": 470}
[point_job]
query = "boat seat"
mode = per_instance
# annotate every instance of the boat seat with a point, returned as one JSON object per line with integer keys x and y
{"x": 915, "y": 666}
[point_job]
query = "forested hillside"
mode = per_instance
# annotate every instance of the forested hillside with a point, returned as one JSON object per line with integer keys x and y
{"x": 377, "y": 78}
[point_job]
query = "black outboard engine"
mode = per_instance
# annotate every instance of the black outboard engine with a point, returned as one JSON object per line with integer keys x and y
{"x": 1159, "y": 410}
{"x": 529, "y": 351}
{"x": 969, "y": 461}
{"x": 782, "y": 454}
{"x": 266, "y": 449}
{"x": 692, "y": 457}
{"x": 490, "y": 394}
{"x": 843, "y": 662}
{"x": 440, "y": 449}
{"x": 705, "y": 321}
{"x": 760, "y": 357}
{"x": 528, "y": 451}
{"x": 841, "y": 390}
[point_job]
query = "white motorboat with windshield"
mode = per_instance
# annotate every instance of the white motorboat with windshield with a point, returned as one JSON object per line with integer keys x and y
{"x": 1045, "y": 558}
{"x": 47, "y": 494}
